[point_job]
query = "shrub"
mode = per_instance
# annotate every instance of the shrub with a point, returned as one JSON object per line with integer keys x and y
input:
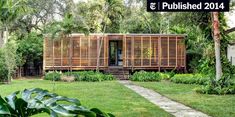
{"x": 109, "y": 77}
{"x": 144, "y": 76}
{"x": 90, "y": 76}
{"x": 56, "y": 76}
{"x": 223, "y": 86}
{"x": 190, "y": 79}
{"x": 167, "y": 75}
{"x": 35, "y": 101}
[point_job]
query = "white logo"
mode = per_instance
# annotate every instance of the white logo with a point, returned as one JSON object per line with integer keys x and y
{"x": 152, "y": 6}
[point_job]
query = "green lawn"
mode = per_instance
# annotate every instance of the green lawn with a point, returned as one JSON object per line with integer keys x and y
{"x": 214, "y": 105}
{"x": 109, "y": 96}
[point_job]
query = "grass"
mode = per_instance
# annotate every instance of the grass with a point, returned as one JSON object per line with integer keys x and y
{"x": 109, "y": 96}
{"x": 214, "y": 105}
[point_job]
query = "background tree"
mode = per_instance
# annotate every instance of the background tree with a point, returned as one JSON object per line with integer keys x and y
{"x": 9, "y": 11}
{"x": 10, "y": 58}
{"x": 102, "y": 16}
{"x": 30, "y": 49}
{"x": 41, "y": 13}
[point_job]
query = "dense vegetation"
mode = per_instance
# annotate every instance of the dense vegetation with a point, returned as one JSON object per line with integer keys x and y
{"x": 190, "y": 79}
{"x": 226, "y": 85}
{"x": 89, "y": 76}
{"x": 223, "y": 86}
{"x": 144, "y": 76}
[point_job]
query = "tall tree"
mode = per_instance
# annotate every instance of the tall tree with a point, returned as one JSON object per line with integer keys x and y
{"x": 216, "y": 36}
{"x": 9, "y": 11}
{"x": 110, "y": 9}
{"x": 10, "y": 58}
{"x": 41, "y": 13}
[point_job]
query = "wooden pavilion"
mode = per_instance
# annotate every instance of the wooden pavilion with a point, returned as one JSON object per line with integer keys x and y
{"x": 126, "y": 51}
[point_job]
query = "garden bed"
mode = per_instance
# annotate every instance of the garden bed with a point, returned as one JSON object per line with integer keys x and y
{"x": 89, "y": 76}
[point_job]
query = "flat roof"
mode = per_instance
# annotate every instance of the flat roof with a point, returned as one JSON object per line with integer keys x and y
{"x": 131, "y": 34}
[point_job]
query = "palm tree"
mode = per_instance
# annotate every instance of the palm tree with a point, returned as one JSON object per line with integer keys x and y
{"x": 216, "y": 36}
{"x": 64, "y": 29}
{"x": 110, "y": 8}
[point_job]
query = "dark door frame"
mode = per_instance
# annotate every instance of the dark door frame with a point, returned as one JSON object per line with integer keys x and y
{"x": 116, "y": 54}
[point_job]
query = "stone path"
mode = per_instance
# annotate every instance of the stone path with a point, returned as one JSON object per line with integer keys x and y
{"x": 174, "y": 108}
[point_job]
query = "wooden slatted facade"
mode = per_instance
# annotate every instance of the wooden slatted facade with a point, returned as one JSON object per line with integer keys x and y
{"x": 139, "y": 51}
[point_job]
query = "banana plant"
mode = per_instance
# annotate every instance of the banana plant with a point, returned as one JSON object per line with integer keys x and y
{"x": 35, "y": 101}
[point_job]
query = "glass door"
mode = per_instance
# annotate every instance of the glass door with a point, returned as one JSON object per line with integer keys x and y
{"x": 113, "y": 53}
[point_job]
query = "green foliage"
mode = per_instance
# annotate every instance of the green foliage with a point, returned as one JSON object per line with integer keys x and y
{"x": 10, "y": 10}
{"x": 30, "y": 48}
{"x": 144, "y": 76}
{"x": 142, "y": 22}
{"x": 3, "y": 69}
{"x": 89, "y": 76}
{"x": 198, "y": 42}
{"x": 168, "y": 75}
{"x": 36, "y": 100}
{"x": 102, "y": 13}
{"x": 53, "y": 76}
{"x": 62, "y": 29}
{"x": 8, "y": 59}
{"x": 190, "y": 79}
{"x": 223, "y": 86}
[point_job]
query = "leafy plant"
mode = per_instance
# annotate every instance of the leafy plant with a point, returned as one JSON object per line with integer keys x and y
{"x": 36, "y": 100}
{"x": 109, "y": 77}
{"x": 223, "y": 86}
{"x": 144, "y": 76}
{"x": 31, "y": 48}
{"x": 190, "y": 79}
{"x": 168, "y": 75}
{"x": 92, "y": 76}
{"x": 53, "y": 76}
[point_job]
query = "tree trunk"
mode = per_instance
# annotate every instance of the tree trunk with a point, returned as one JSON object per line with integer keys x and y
{"x": 216, "y": 36}
{"x": 5, "y": 35}
{"x": 53, "y": 54}
{"x": 5, "y": 38}
{"x": 1, "y": 39}
{"x": 20, "y": 74}
{"x": 100, "y": 47}
{"x": 70, "y": 54}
